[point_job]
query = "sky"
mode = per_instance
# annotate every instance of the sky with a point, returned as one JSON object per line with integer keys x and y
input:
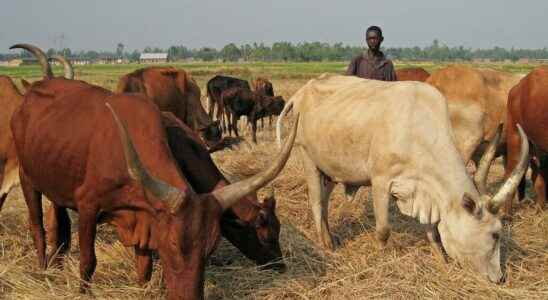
{"x": 102, "y": 24}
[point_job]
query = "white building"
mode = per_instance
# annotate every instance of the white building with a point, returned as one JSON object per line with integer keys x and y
{"x": 153, "y": 58}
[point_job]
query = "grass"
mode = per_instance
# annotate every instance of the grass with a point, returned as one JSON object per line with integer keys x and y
{"x": 358, "y": 269}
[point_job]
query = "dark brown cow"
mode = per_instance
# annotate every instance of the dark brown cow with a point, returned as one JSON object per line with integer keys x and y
{"x": 243, "y": 102}
{"x": 528, "y": 106}
{"x": 263, "y": 87}
{"x": 251, "y": 226}
{"x": 215, "y": 86}
{"x": 175, "y": 91}
{"x": 412, "y": 74}
{"x": 10, "y": 99}
{"x": 90, "y": 150}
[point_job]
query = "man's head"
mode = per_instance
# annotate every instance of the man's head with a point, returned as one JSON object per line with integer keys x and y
{"x": 374, "y": 38}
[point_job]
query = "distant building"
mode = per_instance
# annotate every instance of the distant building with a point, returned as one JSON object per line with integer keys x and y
{"x": 153, "y": 58}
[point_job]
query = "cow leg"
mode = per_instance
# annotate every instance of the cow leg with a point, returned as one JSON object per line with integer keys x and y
{"x": 86, "y": 234}
{"x": 234, "y": 125}
{"x": 318, "y": 197}
{"x": 254, "y": 130}
{"x": 58, "y": 231}
{"x": 381, "y": 196}
{"x": 3, "y": 199}
{"x": 540, "y": 182}
{"x": 262, "y": 123}
{"x": 143, "y": 262}
{"x": 270, "y": 121}
{"x": 33, "y": 199}
{"x": 210, "y": 107}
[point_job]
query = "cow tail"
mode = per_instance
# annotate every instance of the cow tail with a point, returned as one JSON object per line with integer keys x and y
{"x": 287, "y": 107}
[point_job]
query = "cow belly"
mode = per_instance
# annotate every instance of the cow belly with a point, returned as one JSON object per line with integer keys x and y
{"x": 342, "y": 157}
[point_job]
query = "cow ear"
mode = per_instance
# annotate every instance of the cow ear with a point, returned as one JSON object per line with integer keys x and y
{"x": 468, "y": 203}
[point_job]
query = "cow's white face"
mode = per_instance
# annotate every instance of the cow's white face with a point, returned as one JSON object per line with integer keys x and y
{"x": 470, "y": 233}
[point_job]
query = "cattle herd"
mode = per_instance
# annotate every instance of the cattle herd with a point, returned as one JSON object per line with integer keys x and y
{"x": 139, "y": 159}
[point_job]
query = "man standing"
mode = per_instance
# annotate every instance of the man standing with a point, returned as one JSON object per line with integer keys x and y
{"x": 373, "y": 64}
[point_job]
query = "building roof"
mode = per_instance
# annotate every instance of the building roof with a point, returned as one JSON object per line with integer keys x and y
{"x": 153, "y": 56}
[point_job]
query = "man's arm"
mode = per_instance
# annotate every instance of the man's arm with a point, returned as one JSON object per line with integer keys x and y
{"x": 390, "y": 72}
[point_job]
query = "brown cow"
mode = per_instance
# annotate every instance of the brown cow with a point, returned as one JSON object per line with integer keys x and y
{"x": 175, "y": 91}
{"x": 243, "y": 102}
{"x": 249, "y": 225}
{"x": 528, "y": 106}
{"x": 412, "y": 74}
{"x": 476, "y": 99}
{"x": 95, "y": 161}
{"x": 10, "y": 99}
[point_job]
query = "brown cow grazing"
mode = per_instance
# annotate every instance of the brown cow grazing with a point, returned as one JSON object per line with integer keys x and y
{"x": 10, "y": 99}
{"x": 528, "y": 106}
{"x": 249, "y": 225}
{"x": 175, "y": 91}
{"x": 412, "y": 74}
{"x": 106, "y": 156}
{"x": 476, "y": 99}
{"x": 243, "y": 102}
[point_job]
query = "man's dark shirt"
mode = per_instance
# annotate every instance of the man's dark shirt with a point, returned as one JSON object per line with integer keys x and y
{"x": 372, "y": 67}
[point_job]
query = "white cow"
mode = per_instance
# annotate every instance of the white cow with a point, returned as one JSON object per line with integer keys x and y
{"x": 397, "y": 137}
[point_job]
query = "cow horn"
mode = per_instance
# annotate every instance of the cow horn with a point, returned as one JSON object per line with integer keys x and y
{"x": 480, "y": 177}
{"x": 508, "y": 189}
{"x": 159, "y": 189}
{"x": 228, "y": 195}
{"x": 69, "y": 70}
{"x": 40, "y": 56}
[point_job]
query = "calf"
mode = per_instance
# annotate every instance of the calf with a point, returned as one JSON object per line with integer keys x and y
{"x": 108, "y": 158}
{"x": 264, "y": 87}
{"x": 243, "y": 102}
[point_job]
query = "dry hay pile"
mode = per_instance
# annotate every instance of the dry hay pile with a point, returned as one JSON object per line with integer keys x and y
{"x": 358, "y": 269}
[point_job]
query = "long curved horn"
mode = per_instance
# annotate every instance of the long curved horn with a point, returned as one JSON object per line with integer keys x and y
{"x": 69, "y": 70}
{"x": 40, "y": 56}
{"x": 480, "y": 177}
{"x": 509, "y": 187}
{"x": 230, "y": 194}
{"x": 161, "y": 190}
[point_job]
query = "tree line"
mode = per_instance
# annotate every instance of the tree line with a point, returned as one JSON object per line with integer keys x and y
{"x": 303, "y": 52}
